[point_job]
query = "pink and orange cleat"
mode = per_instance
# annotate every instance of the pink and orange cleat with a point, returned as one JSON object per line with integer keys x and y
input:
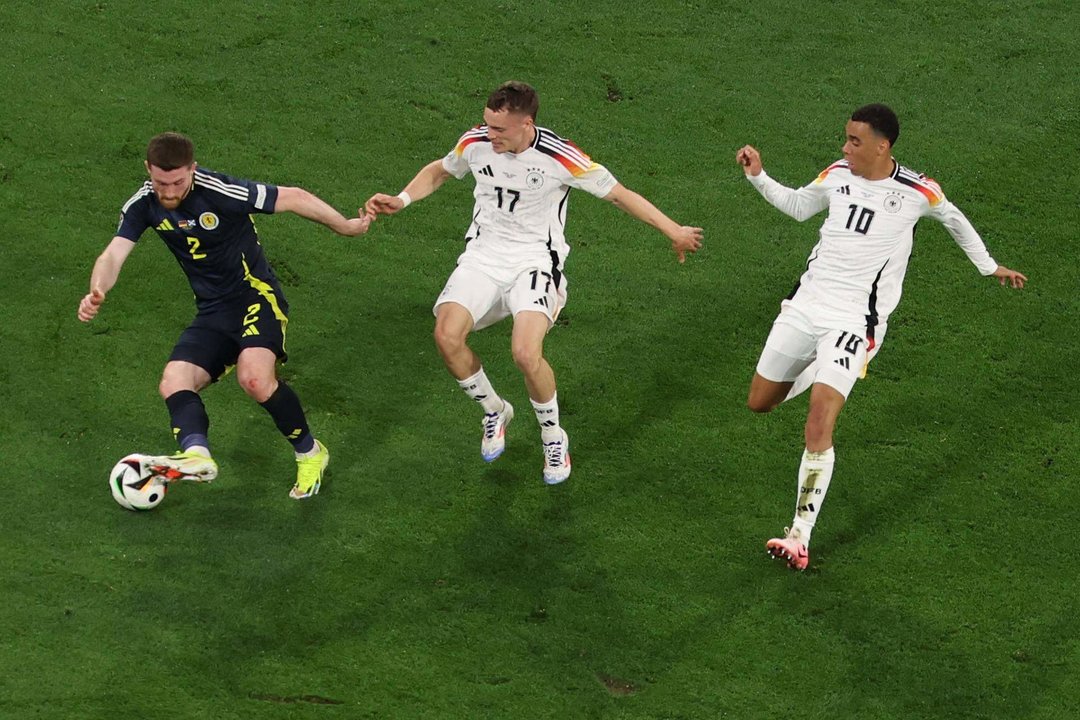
{"x": 789, "y": 548}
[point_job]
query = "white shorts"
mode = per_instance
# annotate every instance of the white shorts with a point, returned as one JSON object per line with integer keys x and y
{"x": 491, "y": 294}
{"x": 795, "y": 343}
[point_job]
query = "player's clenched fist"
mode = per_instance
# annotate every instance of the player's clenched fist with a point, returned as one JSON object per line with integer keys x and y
{"x": 750, "y": 159}
{"x": 90, "y": 305}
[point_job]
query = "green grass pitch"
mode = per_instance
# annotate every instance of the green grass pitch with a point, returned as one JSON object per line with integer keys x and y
{"x": 422, "y": 583}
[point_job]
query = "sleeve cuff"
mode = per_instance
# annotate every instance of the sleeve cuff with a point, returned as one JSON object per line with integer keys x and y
{"x": 759, "y": 179}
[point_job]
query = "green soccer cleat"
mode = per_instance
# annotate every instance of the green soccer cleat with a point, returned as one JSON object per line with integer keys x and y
{"x": 309, "y": 472}
{"x": 185, "y": 465}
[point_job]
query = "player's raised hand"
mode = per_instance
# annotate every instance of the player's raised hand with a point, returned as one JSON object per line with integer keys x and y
{"x": 90, "y": 305}
{"x": 382, "y": 204}
{"x": 750, "y": 159}
{"x": 686, "y": 239}
{"x": 1011, "y": 277}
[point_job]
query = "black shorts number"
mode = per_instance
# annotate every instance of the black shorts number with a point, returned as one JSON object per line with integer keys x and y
{"x": 852, "y": 344}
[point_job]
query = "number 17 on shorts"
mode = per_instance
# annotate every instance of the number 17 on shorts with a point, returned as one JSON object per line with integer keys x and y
{"x": 537, "y": 291}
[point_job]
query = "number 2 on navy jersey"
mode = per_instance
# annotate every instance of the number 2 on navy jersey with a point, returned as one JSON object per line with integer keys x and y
{"x": 862, "y": 224}
{"x": 193, "y": 248}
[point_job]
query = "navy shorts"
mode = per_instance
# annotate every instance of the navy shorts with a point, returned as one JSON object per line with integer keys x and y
{"x": 216, "y": 336}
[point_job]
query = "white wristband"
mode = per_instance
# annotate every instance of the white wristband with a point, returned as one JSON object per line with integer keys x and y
{"x": 404, "y": 197}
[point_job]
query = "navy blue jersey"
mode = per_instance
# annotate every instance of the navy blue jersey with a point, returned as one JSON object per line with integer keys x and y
{"x": 210, "y": 233}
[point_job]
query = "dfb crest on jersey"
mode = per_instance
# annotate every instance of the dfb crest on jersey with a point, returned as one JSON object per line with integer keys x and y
{"x": 893, "y": 203}
{"x": 534, "y": 180}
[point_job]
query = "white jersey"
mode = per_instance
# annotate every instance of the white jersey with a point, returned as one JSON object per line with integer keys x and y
{"x": 520, "y": 212}
{"x": 855, "y": 273}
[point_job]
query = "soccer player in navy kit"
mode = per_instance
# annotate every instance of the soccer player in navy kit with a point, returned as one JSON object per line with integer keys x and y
{"x": 205, "y": 219}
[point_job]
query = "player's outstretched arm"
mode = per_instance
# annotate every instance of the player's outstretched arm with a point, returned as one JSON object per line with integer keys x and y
{"x": 104, "y": 276}
{"x": 801, "y": 204}
{"x": 306, "y": 205}
{"x": 967, "y": 237}
{"x": 427, "y": 181}
{"x": 1009, "y": 277}
{"x": 683, "y": 238}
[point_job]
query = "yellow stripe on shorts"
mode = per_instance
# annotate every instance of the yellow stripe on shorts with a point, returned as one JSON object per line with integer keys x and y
{"x": 267, "y": 293}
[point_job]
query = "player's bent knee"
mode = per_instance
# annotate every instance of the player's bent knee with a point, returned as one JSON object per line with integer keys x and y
{"x": 448, "y": 341}
{"x": 166, "y": 388}
{"x": 760, "y": 405}
{"x": 527, "y": 359}
{"x": 257, "y": 387}
{"x": 171, "y": 384}
{"x": 766, "y": 395}
{"x": 763, "y": 402}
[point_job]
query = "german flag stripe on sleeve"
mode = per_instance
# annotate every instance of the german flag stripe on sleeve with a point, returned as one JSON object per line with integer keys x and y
{"x": 836, "y": 165}
{"x": 926, "y": 185}
{"x": 567, "y": 153}
{"x": 477, "y": 134}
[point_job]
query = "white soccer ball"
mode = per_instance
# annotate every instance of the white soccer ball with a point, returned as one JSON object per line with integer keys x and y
{"x": 131, "y": 488}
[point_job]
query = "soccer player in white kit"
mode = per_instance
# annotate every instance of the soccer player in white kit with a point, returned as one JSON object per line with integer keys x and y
{"x": 515, "y": 253}
{"x": 834, "y": 321}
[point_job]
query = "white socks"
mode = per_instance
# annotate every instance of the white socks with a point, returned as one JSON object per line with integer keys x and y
{"x": 478, "y": 387}
{"x": 547, "y": 414}
{"x": 815, "y": 472}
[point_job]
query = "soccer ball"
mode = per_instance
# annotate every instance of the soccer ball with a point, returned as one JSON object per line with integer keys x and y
{"x": 131, "y": 488}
